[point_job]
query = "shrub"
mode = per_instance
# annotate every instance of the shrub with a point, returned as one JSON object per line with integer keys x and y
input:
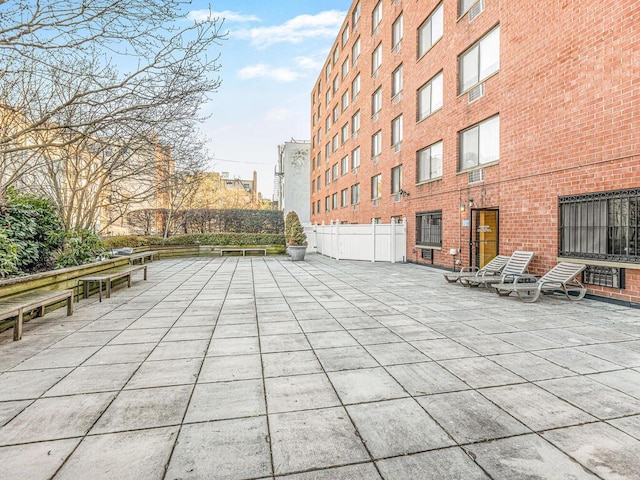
{"x": 197, "y": 239}
{"x": 131, "y": 241}
{"x": 294, "y": 230}
{"x": 80, "y": 247}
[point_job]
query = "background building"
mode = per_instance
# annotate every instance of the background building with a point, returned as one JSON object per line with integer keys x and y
{"x": 491, "y": 126}
{"x": 292, "y": 179}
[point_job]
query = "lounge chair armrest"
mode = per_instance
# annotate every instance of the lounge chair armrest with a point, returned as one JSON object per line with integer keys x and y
{"x": 468, "y": 269}
{"x": 519, "y": 278}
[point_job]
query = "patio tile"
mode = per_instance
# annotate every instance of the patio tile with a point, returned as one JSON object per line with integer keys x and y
{"x": 366, "y": 385}
{"x": 528, "y": 341}
{"x": 230, "y": 368}
{"x": 143, "y": 335}
{"x": 487, "y": 345}
{"x": 469, "y": 417}
{"x": 85, "y": 339}
{"x": 165, "y": 373}
{"x": 526, "y": 456}
{"x": 188, "y": 333}
{"x": 616, "y": 353}
{"x": 345, "y": 358}
{"x": 300, "y": 392}
{"x": 235, "y": 331}
{"x": 331, "y": 339}
{"x": 629, "y": 425}
{"x": 536, "y": 408}
{"x": 179, "y": 349}
{"x": 35, "y": 461}
{"x": 290, "y": 363}
{"x": 600, "y": 448}
{"x": 133, "y": 353}
{"x": 323, "y": 325}
{"x": 8, "y": 410}
{"x": 280, "y": 328}
{"x": 55, "y": 418}
{"x": 593, "y": 397}
{"x": 479, "y": 372}
{"x": 313, "y": 440}
{"x": 577, "y": 361}
{"x": 530, "y": 366}
{"x": 225, "y": 400}
{"x": 29, "y": 384}
{"x": 98, "y": 378}
{"x": 371, "y": 336}
{"x": 626, "y": 381}
{"x": 445, "y": 464}
{"x": 57, "y": 358}
{"x": 284, "y": 343}
{"x": 396, "y": 353}
{"x": 141, "y": 454}
{"x": 397, "y": 427}
{"x": 233, "y": 346}
{"x": 363, "y": 471}
{"x": 415, "y": 332}
{"x": 426, "y": 378}
{"x": 352, "y": 323}
{"x": 443, "y": 349}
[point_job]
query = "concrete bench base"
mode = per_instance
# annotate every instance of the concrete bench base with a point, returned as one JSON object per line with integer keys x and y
{"x": 243, "y": 250}
{"x": 17, "y": 305}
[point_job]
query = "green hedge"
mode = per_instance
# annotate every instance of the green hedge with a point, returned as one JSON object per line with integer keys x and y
{"x": 196, "y": 239}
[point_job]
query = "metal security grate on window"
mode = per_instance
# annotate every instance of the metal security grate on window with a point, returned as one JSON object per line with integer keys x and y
{"x": 604, "y": 276}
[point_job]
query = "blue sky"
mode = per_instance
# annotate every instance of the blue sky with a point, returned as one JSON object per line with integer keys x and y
{"x": 269, "y": 63}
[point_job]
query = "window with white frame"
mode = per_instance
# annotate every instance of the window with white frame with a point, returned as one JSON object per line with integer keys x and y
{"x": 355, "y": 51}
{"x": 355, "y": 15}
{"x": 345, "y": 68}
{"x": 355, "y": 122}
{"x": 396, "y": 179}
{"x": 480, "y": 144}
{"x": 464, "y": 6}
{"x": 376, "y": 101}
{"x": 376, "y": 59}
{"x": 344, "y": 165}
{"x": 344, "y": 197}
{"x": 319, "y": 159}
{"x": 397, "y": 33}
{"x": 355, "y": 194}
{"x": 327, "y": 203}
{"x": 345, "y": 100}
{"x": 429, "y": 161}
{"x": 376, "y": 144}
{"x": 327, "y": 97}
{"x": 334, "y": 143}
{"x": 480, "y": 61}
{"x": 344, "y": 133}
{"x": 327, "y": 71}
{"x": 335, "y": 114}
{"x": 355, "y": 157}
{"x": 327, "y": 151}
{"x": 376, "y": 17}
{"x": 334, "y": 172}
{"x": 355, "y": 88}
{"x": 318, "y": 207}
{"x": 336, "y": 84}
{"x": 396, "y": 131}
{"x": 430, "y": 96}
{"x": 327, "y": 176}
{"x": 327, "y": 124}
{"x": 313, "y": 185}
{"x": 319, "y": 183}
{"x": 376, "y": 186}
{"x": 334, "y": 201}
{"x": 345, "y": 35}
{"x": 430, "y": 31}
{"x": 396, "y": 81}
{"x": 336, "y": 55}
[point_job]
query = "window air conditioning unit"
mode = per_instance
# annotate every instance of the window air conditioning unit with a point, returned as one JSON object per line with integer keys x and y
{"x": 476, "y": 92}
{"x": 476, "y": 10}
{"x": 476, "y": 176}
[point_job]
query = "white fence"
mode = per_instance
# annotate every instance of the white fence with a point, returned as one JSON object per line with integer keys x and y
{"x": 371, "y": 242}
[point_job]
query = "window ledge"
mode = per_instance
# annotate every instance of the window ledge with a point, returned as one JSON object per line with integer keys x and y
{"x": 600, "y": 263}
{"x": 431, "y": 180}
{"x": 477, "y": 167}
{"x": 462, "y": 94}
{"x": 427, "y": 247}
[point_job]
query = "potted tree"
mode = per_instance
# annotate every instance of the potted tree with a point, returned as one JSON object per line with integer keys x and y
{"x": 295, "y": 236}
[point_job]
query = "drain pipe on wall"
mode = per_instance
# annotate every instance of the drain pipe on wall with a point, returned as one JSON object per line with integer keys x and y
{"x": 460, "y": 224}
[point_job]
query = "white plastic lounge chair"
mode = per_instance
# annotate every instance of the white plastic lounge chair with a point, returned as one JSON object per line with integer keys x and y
{"x": 493, "y": 268}
{"x": 516, "y": 265}
{"x": 561, "y": 278}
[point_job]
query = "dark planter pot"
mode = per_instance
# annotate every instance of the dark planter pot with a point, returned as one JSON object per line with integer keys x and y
{"x": 296, "y": 252}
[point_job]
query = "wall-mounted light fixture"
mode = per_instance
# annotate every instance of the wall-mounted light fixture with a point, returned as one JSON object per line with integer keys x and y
{"x": 404, "y": 193}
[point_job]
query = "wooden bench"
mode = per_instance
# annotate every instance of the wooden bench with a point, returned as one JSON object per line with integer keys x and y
{"x": 17, "y": 305}
{"x": 142, "y": 256}
{"x": 243, "y": 250}
{"x": 108, "y": 277}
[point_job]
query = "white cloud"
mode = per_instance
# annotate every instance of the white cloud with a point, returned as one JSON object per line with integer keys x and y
{"x": 262, "y": 70}
{"x": 278, "y": 114}
{"x": 309, "y": 63}
{"x": 228, "y": 15}
{"x": 324, "y": 24}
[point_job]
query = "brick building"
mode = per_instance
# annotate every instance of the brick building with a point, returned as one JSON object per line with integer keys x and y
{"x": 491, "y": 125}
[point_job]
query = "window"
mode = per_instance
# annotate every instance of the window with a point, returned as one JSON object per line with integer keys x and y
{"x": 376, "y": 186}
{"x": 313, "y": 185}
{"x": 396, "y": 179}
{"x": 376, "y": 144}
{"x": 376, "y": 60}
{"x": 327, "y": 97}
{"x": 319, "y": 159}
{"x": 396, "y": 81}
{"x": 396, "y": 34}
{"x": 430, "y": 162}
{"x": 327, "y": 151}
{"x": 345, "y": 68}
{"x": 601, "y": 226}
{"x": 355, "y": 15}
{"x": 334, "y": 201}
{"x": 480, "y": 144}
{"x": 376, "y": 101}
{"x": 429, "y": 229}
{"x": 355, "y": 123}
{"x": 376, "y": 17}
{"x": 334, "y": 172}
{"x": 327, "y": 124}
{"x": 327, "y": 71}
{"x": 313, "y": 208}
{"x": 355, "y": 88}
{"x": 464, "y": 5}
{"x": 396, "y": 131}
{"x": 430, "y": 97}
{"x": 345, "y": 100}
{"x": 345, "y": 35}
{"x": 355, "y": 194}
{"x": 318, "y": 207}
{"x": 319, "y": 185}
{"x": 344, "y": 135}
{"x": 334, "y": 142}
{"x": 355, "y": 51}
{"x": 480, "y": 61}
{"x": 355, "y": 157}
{"x": 327, "y": 176}
{"x": 344, "y": 165}
{"x": 430, "y": 31}
{"x": 336, "y": 54}
{"x": 327, "y": 204}
{"x": 335, "y": 114}
{"x": 344, "y": 197}
{"x": 336, "y": 84}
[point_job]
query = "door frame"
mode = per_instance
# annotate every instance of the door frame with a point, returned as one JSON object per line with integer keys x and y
{"x": 474, "y": 242}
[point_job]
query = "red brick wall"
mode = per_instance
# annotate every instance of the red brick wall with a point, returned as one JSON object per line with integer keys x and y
{"x": 568, "y": 96}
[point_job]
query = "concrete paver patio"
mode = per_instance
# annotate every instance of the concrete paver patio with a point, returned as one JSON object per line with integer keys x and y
{"x": 254, "y": 368}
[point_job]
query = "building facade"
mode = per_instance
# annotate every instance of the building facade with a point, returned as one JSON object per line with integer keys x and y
{"x": 292, "y": 179}
{"x": 491, "y": 126}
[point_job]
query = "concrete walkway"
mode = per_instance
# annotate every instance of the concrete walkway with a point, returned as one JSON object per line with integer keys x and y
{"x": 252, "y": 368}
